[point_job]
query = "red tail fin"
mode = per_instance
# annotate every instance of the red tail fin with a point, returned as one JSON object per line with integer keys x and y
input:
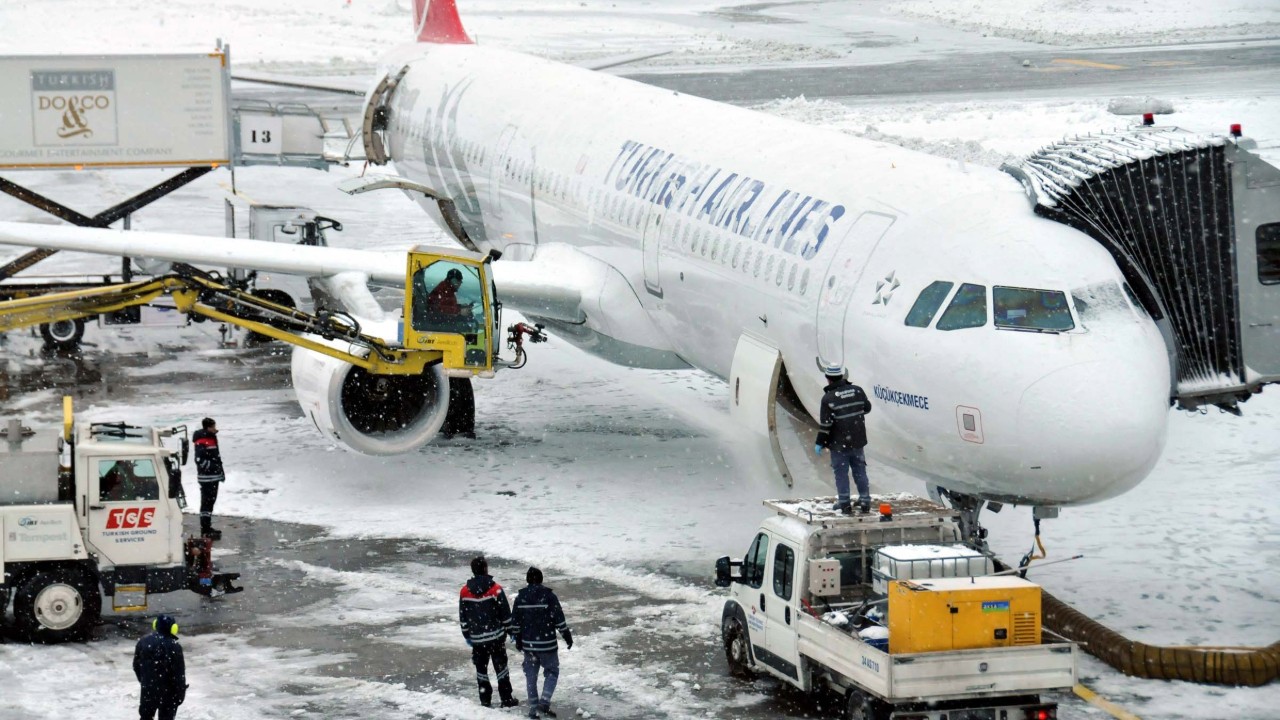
{"x": 437, "y": 21}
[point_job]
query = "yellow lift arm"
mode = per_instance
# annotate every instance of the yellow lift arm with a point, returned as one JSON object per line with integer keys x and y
{"x": 450, "y": 314}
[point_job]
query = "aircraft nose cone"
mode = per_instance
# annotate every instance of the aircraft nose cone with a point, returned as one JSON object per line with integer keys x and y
{"x": 1093, "y": 430}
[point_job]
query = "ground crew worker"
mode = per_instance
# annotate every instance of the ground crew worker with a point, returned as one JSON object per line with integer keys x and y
{"x": 485, "y": 617}
{"x": 844, "y": 432}
{"x": 161, "y": 670}
{"x": 535, "y": 618}
{"x": 209, "y": 474}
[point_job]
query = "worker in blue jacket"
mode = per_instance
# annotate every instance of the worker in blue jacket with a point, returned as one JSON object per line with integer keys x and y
{"x": 536, "y": 616}
{"x": 160, "y": 668}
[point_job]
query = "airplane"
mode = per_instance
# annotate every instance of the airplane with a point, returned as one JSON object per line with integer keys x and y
{"x": 1006, "y": 358}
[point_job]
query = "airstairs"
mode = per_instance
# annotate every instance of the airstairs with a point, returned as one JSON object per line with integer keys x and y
{"x": 1194, "y": 224}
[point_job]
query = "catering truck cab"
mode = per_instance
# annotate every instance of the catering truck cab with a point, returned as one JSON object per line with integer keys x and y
{"x": 93, "y": 511}
{"x": 890, "y": 612}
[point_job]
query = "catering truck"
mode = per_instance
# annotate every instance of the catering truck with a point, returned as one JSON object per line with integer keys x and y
{"x": 892, "y": 613}
{"x": 90, "y": 512}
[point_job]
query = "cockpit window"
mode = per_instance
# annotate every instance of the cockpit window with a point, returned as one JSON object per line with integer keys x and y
{"x": 1024, "y": 309}
{"x": 967, "y": 309}
{"x": 1100, "y": 301}
{"x": 928, "y": 303}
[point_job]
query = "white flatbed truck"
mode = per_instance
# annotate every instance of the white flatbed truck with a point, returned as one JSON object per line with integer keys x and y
{"x": 890, "y": 612}
{"x": 93, "y": 511}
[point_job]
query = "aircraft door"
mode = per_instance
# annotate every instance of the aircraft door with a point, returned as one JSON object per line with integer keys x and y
{"x": 846, "y": 268}
{"x": 650, "y": 242}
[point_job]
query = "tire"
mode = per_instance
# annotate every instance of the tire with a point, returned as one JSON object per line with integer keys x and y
{"x": 4, "y": 603}
{"x": 737, "y": 651}
{"x": 57, "y": 605}
{"x": 63, "y": 335}
{"x": 860, "y": 706}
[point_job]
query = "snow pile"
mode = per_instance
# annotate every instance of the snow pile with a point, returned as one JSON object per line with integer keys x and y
{"x": 1102, "y": 22}
{"x": 1139, "y": 105}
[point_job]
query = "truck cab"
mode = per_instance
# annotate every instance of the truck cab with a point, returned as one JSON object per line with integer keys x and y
{"x": 857, "y": 605}
{"x": 93, "y": 511}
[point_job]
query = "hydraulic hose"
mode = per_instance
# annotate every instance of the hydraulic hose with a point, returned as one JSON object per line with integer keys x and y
{"x": 1207, "y": 665}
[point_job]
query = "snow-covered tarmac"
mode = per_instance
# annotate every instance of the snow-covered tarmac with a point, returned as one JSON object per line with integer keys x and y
{"x": 626, "y": 483}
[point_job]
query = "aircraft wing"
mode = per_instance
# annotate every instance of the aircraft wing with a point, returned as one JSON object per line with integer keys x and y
{"x": 307, "y": 260}
{"x": 544, "y": 288}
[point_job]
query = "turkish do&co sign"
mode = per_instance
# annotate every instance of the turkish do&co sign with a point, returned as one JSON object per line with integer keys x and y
{"x": 123, "y": 110}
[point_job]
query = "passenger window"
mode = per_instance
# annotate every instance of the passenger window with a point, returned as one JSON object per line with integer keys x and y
{"x": 784, "y": 566}
{"x": 1269, "y": 254}
{"x": 753, "y": 563}
{"x": 1039, "y": 310}
{"x": 127, "y": 480}
{"x": 928, "y": 303}
{"x": 968, "y": 309}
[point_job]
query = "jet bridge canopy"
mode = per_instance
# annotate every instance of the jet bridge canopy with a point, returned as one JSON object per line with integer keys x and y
{"x": 1194, "y": 224}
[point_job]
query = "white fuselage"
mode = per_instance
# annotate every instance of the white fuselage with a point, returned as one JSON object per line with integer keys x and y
{"x": 716, "y": 221}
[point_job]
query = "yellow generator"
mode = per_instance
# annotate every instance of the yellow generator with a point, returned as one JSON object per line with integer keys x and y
{"x": 962, "y": 613}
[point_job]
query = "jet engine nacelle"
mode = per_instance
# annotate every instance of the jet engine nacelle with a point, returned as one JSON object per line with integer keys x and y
{"x": 372, "y": 414}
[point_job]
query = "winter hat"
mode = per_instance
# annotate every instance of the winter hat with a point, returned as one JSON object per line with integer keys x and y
{"x": 165, "y": 625}
{"x": 534, "y": 576}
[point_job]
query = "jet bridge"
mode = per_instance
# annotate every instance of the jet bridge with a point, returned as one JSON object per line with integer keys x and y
{"x": 1193, "y": 222}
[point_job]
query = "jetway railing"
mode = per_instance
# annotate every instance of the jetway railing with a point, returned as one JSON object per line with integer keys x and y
{"x": 1194, "y": 224}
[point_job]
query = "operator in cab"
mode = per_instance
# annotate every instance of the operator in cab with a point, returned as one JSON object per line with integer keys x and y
{"x": 442, "y": 301}
{"x": 844, "y": 432}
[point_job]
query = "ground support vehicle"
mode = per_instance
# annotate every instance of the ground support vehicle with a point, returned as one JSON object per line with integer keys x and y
{"x": 890, "y": 612}
{"x": 90, "y": 512}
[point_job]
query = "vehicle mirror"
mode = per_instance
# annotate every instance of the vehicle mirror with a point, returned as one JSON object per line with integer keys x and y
{"x": 724, "y": 574}
{"x": 186, "y": 450}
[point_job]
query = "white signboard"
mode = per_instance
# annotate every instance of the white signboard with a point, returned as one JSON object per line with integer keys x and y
{"x": 104, "y": 110}
{"x": 261, "y": 134}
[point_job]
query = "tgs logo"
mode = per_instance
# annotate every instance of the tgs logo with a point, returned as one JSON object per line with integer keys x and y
{"x": 125, "y": 518}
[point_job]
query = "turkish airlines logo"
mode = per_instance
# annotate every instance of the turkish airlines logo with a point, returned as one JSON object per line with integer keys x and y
{"x": 127, "y": 518}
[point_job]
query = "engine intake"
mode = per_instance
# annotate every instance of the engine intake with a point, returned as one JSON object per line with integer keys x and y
{"x": 371, "y": 414}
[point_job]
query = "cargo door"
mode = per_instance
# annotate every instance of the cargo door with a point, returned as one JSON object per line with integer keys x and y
{"x": 127, "y": 520}
{"x": 845, "y": 270}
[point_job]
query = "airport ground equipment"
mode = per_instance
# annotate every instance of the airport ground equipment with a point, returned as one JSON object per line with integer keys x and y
{"x": 93, "y": 511}
{"x": 1193, "y": 222}
{"x": 461, "y": 342}
{"x": 948, "y": 640}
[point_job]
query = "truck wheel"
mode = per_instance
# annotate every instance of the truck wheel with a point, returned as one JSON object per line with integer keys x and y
{"x": 57, "y": 605}
{"x": 736, "y": 650}
{"x": 63, "y": 335}
{"x": 4, "y": 603}
{"x": 859, "y": 706}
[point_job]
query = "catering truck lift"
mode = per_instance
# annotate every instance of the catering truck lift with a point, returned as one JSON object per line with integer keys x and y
{"x": 94, "y": 511}
{"x": 890, "y": 612}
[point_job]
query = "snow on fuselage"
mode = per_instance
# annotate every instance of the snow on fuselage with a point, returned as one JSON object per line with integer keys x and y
{"x": 724, "y": 220}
